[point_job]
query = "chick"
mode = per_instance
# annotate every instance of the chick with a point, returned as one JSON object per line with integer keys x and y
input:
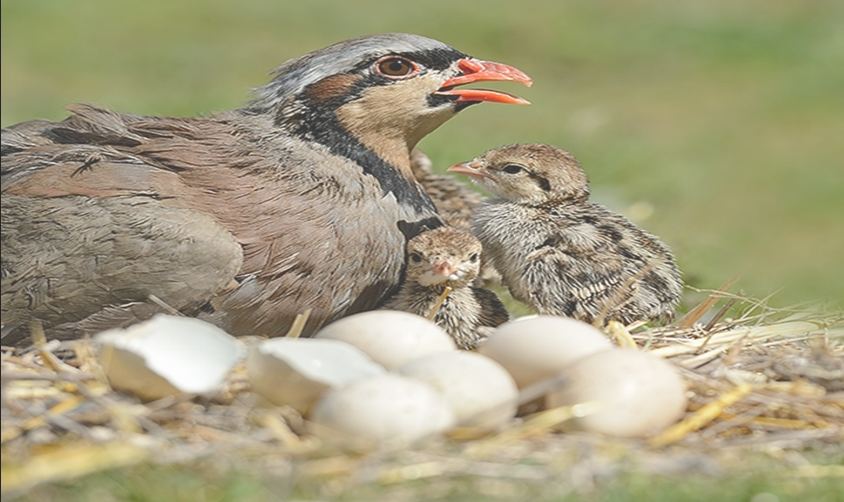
{"x": 560, "y": 253}
{"x": 448, "y": 257}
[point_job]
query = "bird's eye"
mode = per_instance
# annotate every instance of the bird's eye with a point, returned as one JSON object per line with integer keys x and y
{"x": 473, "y": 257}
{"x": 512, "y": 168}
{"x": 394, "y": 67}
{"x": 415, "y": 257}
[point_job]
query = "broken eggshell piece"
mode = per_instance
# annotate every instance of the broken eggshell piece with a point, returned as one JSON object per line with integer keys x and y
{"x": 298, "y": 371}
{"x": 168, "y": 355}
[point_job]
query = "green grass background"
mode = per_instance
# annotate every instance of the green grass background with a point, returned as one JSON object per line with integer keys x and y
{"x": 725, "y": 117}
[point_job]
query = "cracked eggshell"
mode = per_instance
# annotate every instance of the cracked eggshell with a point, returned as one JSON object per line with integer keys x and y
{"x": 298, "y": 371}
{"x": 480, "y": 392}
{"x": 168, "y": 355}
{"x": 391, "y": 338}
{"x": 634, "y": 394}
{"x": 390, "y": 409}
{"x": 534, "y": 348}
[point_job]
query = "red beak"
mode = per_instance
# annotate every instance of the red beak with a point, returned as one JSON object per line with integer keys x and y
{"x": 471, "y": 169}
{"x": 474, "y": 70}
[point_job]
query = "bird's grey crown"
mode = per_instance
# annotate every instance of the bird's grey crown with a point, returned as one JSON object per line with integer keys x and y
{"x": 296, "y": 74}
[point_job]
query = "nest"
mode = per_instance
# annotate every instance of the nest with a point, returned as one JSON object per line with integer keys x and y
{"x": 764, "y": 379}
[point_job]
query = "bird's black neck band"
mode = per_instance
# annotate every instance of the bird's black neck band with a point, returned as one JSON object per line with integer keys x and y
{"x": 322, "y": 126}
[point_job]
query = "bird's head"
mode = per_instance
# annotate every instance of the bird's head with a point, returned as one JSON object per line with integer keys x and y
{"x": 530, "y": 174}
{"x": 445, "y": 256}
{"x": 387, "y": 91}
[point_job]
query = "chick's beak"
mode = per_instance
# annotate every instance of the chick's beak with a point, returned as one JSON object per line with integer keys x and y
{"x": 474, "y": 70}
{"x": 444, "y": 268}
{"x": 471, "y": 169}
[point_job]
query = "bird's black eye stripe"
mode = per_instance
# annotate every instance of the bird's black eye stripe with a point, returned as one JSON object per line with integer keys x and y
{"x": 434, "y": 59}
{"x": 543, "y": 183}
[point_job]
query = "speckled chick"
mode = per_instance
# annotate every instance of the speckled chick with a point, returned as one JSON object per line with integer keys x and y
{"x": 560, "y": 253}
{"x": 448, "y": 256}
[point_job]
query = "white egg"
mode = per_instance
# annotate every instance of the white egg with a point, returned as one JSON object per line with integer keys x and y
{"x": 632, "y": 393}
{"x": 534, "y": 348}
{"x": 298, "y": 371}
{"x": 390, "y": 410}
{"x": 168, "y": 355}
{"x": 480, "y": 392}
{"x": 389, "y": 337}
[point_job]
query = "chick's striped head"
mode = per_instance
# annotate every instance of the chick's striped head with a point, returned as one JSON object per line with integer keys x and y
{"x": 444, "y": 256}
{"x": 529, "y": 174}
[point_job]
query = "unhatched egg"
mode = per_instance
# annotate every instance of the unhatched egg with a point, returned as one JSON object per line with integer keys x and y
{"x": 629, "y": 393}
{"x": 389, "y": 337}
{"x": 390, "y": 410}
{"x": 538, "y": 347}
{"x": 480, "y": 392}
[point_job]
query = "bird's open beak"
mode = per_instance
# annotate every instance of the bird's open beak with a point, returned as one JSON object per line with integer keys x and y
{"x": 471, "y": 169}
{"x": 474, "y": 70}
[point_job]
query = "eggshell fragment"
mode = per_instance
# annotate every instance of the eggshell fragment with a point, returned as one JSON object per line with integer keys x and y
{"x": 538, "y": 347}
{"x": 298, "y": 371}
{"x": 633, "y": 393}
{"x": 391, "y": 338}
{"x": 479, "y": 391}
{"x": 390, "y": 410}
{"x": 168, "y": 355}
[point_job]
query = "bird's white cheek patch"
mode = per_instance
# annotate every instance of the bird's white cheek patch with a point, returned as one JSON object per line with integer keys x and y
{"x": 390, "y": 119}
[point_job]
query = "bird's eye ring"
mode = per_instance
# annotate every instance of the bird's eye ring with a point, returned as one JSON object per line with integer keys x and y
{"x": 395, "y": 67}
{"x": 415, "y": 257}
{"x": 473, "y": 257}
{"x": 512, "y": 168}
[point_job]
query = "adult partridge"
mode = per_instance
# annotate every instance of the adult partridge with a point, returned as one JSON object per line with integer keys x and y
{"x": 303, "y": 199}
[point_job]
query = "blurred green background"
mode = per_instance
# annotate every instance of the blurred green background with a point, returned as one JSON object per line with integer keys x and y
{"x": 717, "y": 125}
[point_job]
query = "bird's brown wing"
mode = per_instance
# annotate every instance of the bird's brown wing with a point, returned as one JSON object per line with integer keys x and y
{"x": 180, "y": 207}
{"x": 596, "y": 264}
{"x": 575, "y": 271}
{"x": 88, "y": 224}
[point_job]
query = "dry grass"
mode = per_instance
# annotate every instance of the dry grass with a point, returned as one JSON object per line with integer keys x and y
{"x": 766, "y": 379}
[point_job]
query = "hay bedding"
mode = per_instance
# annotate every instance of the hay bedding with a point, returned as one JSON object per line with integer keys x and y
{"x": 768, "y": 379}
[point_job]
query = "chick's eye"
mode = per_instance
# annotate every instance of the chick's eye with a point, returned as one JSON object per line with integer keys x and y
{"x": 392, "y": 66}
{"x": 473, "y": 257}
{"x": 415, "y": 258}
{"x": 512, "y": 168}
